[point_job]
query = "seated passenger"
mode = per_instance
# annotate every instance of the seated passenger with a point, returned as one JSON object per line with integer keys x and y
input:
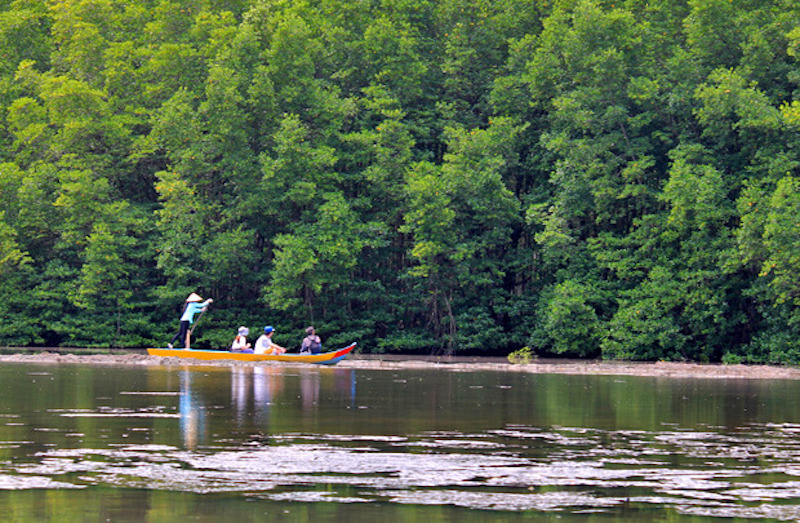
{"x": 312, "y": 344}
{"x": 240, "y": 343}
{"x": 265, "y": 345}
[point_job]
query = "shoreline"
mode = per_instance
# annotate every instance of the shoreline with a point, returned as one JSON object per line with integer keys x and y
{"x": 379, "y": 362}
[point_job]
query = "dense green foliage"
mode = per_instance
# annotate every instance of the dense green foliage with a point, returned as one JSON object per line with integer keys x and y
{"x": 587, "y": 178}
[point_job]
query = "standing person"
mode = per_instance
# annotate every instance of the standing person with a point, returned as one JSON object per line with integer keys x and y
{"x": 312, "y": 344}
{"x": 240, "y": 343}
{"x": 265, "y": 345}
{"x": 192, "y": 306}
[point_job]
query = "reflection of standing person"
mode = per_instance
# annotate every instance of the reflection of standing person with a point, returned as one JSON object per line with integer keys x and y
{"x": 190, "y": 308}
{"x": 265, "y": 345}
{"x": 192, "y": 422}
{"x": 312, "y": 344}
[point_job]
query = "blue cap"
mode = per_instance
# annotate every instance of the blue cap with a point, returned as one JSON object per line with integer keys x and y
{"x": 268, "y": 329}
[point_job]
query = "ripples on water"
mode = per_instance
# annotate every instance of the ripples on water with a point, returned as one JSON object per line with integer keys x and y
{"x": 243, "y": 435}
{"x": 748, "y": 473}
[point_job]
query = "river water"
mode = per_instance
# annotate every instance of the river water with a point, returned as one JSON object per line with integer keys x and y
{"x": 283, "y": 443}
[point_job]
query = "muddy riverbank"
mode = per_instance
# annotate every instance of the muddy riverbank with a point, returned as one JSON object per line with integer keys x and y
{"x": 657, "y": 369}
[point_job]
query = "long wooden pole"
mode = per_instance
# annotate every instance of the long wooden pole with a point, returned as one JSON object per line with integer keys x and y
{"x": 191, "y": 330}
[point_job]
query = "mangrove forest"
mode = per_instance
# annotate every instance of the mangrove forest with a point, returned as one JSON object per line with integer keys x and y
{"x": 613, "y": 179}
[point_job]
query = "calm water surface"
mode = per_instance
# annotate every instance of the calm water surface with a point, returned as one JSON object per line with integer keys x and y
{"x": 153, "y": 443}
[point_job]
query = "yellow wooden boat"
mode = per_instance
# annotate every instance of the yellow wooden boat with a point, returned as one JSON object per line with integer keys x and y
{"x": 323, "y": 358}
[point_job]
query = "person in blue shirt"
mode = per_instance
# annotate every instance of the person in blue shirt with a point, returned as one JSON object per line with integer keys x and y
{"x": 194, "y": 304}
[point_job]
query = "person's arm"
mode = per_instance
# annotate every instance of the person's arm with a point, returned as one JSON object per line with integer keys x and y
{"x": 194, "y": 308}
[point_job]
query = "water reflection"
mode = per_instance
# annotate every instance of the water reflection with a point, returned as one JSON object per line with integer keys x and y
{"x": 253, "y": 389}
{"x": 255, "y": 392}
{"x": 627, "y": 449}
{"x": 309, "y": 390}
{"x": 192, "y": 413}
{"x": 585, "y": 470}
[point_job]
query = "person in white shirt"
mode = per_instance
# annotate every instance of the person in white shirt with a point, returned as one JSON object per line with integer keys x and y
{"x": 265, "y": 345}
{"x": 240, "y": 343}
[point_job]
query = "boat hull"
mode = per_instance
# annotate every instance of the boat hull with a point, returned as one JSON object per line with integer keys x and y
{"x": 323, "y": 358}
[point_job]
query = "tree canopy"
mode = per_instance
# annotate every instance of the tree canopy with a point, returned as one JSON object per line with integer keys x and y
{"x": 586, "y": 178}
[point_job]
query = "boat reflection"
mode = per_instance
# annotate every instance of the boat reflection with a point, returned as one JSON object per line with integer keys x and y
{"x": 255, "y": 391}
{"x": 309, "y": 390}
